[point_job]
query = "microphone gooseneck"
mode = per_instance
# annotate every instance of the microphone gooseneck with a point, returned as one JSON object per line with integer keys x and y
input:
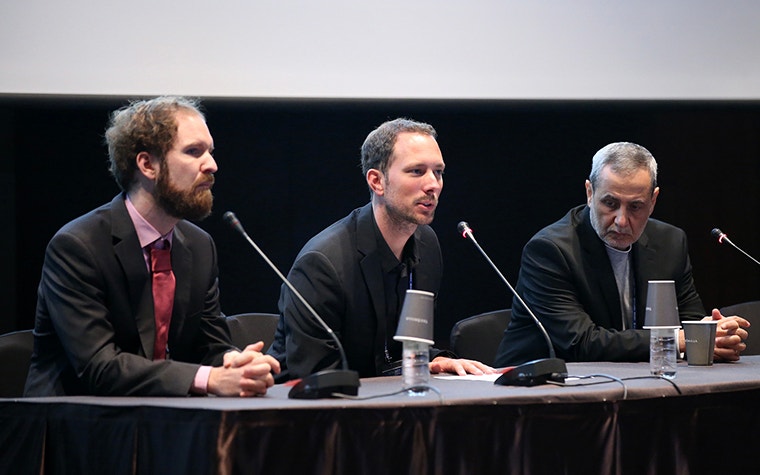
{"x": 464, "y": 228}
{"x": 323, "y": 383}
{"x": 722, "y": 237}
{"x": 532, "y": 372}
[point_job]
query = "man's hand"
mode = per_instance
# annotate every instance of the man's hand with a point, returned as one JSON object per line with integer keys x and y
{"x": 729, "y": 336}
{"x": 235, "y": 359}
{"x": 459, "y": 366}
{"x": 244, "y": 374}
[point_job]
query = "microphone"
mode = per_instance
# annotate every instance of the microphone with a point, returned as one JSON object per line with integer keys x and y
{"x": 322, "y": 384}
{"x": 533, "y": 372}
{"x": 721, "y": 236}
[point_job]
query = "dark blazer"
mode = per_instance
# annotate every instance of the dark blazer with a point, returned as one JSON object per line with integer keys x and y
{"x": 95, "y": 329}
{"x": 339, "y": 274}
{"x": 567, "y": 280}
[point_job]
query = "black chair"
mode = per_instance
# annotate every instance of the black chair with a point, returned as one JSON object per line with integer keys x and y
{"x": 247, "y": 328}
{"x": 478, "y": 337}
{"x": 15, "y": 358}
{"x": 750, "y": 311}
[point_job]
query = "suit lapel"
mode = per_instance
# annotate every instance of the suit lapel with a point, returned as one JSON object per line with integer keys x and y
{"x": 370, "y": 264}
{"x": 423, "y": 278}
{"x": 601, "y": 276}
{"x": 182, "y": 266}
{"x": 130, "y": 256}
{"x": 644, "y": 263}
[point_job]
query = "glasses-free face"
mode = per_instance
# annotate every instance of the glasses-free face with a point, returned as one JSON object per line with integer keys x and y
{"x": 621, "y": 205}
{"x": 413, "y": 182}
{"x": 184, "y": 182}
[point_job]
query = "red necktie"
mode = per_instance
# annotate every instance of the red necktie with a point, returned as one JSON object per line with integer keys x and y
{"x": 163, "y": 294}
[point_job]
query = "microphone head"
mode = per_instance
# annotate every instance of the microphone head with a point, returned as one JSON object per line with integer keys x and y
{"x": 463, "y": 228}
{"x": 232, "y": 220}
{"x": 230, "y": 217}
{"x": 718, "y": 234}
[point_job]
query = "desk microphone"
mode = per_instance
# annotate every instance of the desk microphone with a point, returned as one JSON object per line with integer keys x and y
{"x": 533, "y": 372}
{"x": 324, "y": 383}
{"x": 722, "y": 237}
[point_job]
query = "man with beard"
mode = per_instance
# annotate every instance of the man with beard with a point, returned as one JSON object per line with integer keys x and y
{"x": 355, "y": 273}
{"x": 585, "y": 276}
{"x": 128, "y": 301}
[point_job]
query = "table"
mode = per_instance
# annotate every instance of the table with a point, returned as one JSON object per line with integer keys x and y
{"x": 473, "y": 427}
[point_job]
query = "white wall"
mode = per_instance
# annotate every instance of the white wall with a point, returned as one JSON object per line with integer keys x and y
{"x": 498, "y": 49}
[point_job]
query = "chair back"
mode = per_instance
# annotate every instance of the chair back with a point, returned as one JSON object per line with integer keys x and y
{"x": 15, "y": 358}
{"x": 478, "y": 337}
{"x": 247, "y": 328}
{"x": 750, "y": 311}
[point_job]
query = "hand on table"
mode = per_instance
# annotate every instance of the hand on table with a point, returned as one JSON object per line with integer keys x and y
{"x": 459, "y": 366}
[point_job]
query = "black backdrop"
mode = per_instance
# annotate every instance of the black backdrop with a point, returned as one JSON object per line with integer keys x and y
{"x": 289, "y": 167}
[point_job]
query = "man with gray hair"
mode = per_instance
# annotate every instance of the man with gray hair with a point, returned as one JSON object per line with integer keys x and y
{"x": 356, "y": 272}
{"x": 585, "y": 276}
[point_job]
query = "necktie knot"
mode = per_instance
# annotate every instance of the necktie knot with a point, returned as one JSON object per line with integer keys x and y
{"x": 160, "y": 257}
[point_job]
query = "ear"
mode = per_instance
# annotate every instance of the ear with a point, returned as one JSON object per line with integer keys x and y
{"x": 147, "y": 165}
{"x": 589, "y": 192}
{"x": 375, "y": 181}
{"x": 655, "y": 194}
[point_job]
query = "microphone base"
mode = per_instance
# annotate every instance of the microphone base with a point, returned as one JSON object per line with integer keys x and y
{"x": 534, "y": 373}
{"x": 323, "y": 384}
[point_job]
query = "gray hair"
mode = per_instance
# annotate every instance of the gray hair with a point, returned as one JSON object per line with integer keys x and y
{"x": 624, "y": 158}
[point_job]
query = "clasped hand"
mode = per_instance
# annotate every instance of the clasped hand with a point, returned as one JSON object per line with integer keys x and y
{"x": 729, "y": 336}
{"x": 244, "y": 374}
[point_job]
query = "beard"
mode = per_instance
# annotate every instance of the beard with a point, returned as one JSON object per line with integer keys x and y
{"x": 192, "y": 204}
{"x": 622, "y": 243}
{"x": 403, "y": 216}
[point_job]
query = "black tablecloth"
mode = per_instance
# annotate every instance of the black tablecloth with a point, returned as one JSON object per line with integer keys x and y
{"x": 623, "y": 425}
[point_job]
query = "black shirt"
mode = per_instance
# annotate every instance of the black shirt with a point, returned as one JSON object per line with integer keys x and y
{"x": 398, "y": 276}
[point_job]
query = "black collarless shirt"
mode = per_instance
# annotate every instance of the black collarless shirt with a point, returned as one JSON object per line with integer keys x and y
{"x": 398, "y": 276}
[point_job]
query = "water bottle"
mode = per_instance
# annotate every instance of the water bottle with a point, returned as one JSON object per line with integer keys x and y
{"x": 415, "y": 371}
{"x": 663, "y": 350}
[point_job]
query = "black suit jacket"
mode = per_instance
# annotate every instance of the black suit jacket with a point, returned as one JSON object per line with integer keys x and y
{"x": 567, "y": 280}
{"x": 339, "y": 274}
{"x": 95, "y": 328}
